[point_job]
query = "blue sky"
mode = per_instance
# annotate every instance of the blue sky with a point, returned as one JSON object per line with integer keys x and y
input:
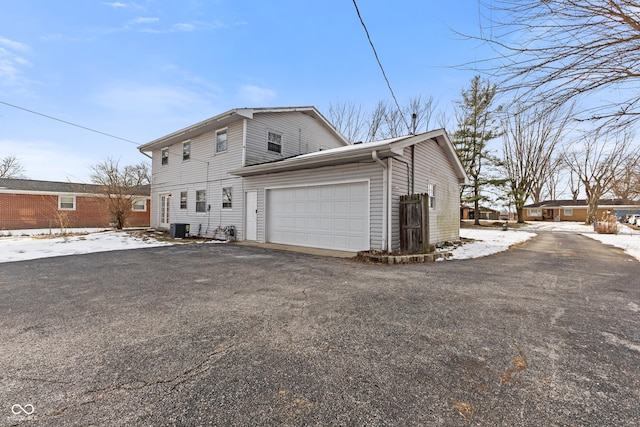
{"x": 142, "y": 69}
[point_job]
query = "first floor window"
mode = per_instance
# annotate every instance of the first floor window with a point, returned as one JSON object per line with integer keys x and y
{"x": 67, "y": 203}
{"x": 183, "y": 200}
{"x": 201, "y": 201}
{"x": 568, "y": 211}
{"x": 227, "y": 197}
{"x": 274, "y": 142}
{"x": 139, "y": 205}
{"x": 221, "y": 141}
{"x": 535, "y": 212}
{"x": 165, "y": 156}
{"x": 431, "y": 190}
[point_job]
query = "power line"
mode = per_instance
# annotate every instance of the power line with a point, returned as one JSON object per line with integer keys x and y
{"x": 380, "y": 64}
{"x": 69, "y": 123}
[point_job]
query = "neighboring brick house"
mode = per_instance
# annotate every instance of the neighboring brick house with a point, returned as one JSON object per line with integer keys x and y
{"x": 26, "y": 203}
{"x": 576, "y": 210}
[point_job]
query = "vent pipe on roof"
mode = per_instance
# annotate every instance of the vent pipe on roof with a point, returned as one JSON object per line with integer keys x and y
{"x": 414, "y": 122}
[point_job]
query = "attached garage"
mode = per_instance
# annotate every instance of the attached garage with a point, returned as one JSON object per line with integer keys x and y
{"x": 331, "y": 216}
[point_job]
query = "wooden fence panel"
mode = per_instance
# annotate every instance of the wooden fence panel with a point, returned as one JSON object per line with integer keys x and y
{"x": 414, "y": 223}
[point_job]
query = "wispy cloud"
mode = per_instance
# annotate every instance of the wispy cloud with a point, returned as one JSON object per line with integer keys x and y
{"x": 256, "y": 95}
{"x": 13, "y": 63}
{"x": 186, "y": 27}
{"x": 145, "y": 20}
{"x": 121, "y": 5}
{"x": 116, "y": 4}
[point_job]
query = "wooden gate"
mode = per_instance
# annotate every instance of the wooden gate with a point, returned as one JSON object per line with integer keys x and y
{"x": 414, "y": 223}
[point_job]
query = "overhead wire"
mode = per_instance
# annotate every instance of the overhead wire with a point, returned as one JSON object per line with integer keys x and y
{"x": 89, "y": 129}
{"x": 69, "y": 123}
{"x": 384, "y": 74}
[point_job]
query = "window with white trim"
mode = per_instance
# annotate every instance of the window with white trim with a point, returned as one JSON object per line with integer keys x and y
{"x": 139, "y": 205}
{"x": 67, "y": 203}
{"x": 274, "y": 142}
{"x": 534, "y": 211}
{"x": 568, "y": 211}
{"x": 221, "y": 141}
{"x": 183, "y": 200}
{"x": 186, "y": 150}
{"x": 431, "y": 191}
{"x": 201, "y": 201}
{"x": 165, "y": 156}
{"x": 227, "y": 197}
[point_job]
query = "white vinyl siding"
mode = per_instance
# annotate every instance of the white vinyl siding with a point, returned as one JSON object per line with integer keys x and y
{"x": 301, "y": 134}
{"x": 190, "y": 176}
{"x": 432, "y": 168}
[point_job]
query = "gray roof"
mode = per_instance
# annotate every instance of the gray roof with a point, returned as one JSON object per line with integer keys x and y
{"x": 358, "y": 153}
{"x": 224, "y": 119}
{"x": 33, "y": 185}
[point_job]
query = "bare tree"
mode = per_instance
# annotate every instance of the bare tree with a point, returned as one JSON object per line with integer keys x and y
{"x": 10, "y": 167}
{"x": 564, "y": 50}
{"x": 121, "y": 186}
{"x": 529, "y": 140}
{"x": 596, "y": 161}
{"x": 384, "y": 121}
{"x": 349, "y": 120}
{"x": 626, "y": 184}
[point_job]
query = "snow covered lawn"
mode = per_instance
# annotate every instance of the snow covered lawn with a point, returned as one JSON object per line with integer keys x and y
{"x": 19, "y": 245}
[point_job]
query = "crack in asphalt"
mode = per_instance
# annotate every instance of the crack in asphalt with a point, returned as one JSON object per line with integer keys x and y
{"x": 182, "y": 377}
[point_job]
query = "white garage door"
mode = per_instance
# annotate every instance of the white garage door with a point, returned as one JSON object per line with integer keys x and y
{"x": 332, "y": 216}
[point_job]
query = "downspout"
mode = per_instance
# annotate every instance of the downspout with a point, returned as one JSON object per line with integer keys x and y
{"x": 244, "y": 142}
{"x": 385, "y": 200}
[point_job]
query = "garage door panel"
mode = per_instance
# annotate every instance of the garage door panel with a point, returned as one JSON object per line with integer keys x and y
{"x": 331, "y": 216}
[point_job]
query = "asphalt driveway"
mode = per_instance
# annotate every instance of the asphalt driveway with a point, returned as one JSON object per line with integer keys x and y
{"x": 547, "y": 334}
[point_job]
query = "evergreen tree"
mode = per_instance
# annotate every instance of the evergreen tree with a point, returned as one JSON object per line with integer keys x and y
{"x": 477, "y": 125}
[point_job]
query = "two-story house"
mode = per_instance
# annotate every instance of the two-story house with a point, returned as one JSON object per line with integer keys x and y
{"x": 285, "y": 175}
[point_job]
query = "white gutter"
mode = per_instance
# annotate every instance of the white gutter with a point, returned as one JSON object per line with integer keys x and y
{"x": 385, "y": 202}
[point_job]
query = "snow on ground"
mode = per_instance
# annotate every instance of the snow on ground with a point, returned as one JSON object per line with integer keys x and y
{"x": 18, "y": 245}
{"x": 492, "y": 240}
{"x": 487, "y": 241}
{"x": 31, "y": 244}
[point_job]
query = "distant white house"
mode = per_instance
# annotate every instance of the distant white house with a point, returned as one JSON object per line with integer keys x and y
{"x": 285, "y": 175}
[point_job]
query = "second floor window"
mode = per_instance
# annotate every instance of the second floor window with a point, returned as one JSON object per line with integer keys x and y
{"x": 274, "y": 142}
{"x": 221, "y": 141}
{"x": 186, "y": 150}
{"x": 201, "y": 201}
{"x": 165, "y": 156}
